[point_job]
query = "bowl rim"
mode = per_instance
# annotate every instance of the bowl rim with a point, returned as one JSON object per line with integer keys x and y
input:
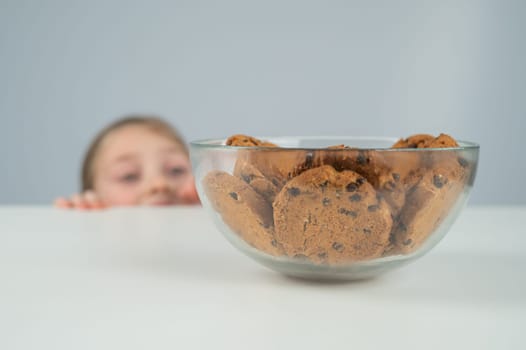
{"x": 219, "y": 143}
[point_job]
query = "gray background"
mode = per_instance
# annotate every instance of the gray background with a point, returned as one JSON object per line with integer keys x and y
{"x": 371, "y": 67}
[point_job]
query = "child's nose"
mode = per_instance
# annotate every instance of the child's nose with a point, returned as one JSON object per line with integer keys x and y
{"x": 159, "y": 184}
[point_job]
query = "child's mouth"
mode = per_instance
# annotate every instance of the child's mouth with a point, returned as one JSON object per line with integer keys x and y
{"x": 161, "y": 202}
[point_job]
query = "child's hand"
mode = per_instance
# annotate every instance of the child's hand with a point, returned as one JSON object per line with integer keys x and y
{"x": 83, "y": 201}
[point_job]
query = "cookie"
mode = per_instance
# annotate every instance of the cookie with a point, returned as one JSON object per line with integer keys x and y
{"x": 372, "y": 165}
{"x": 367, "y": 163}
{"x": 247, "y": 141}
{"x": 431, "y": 159}
{"x": 276, "y": 165}
{"x": 331, "y": 217}
{"x": 252, "y": 176}
{"x": 280, "y": 165}
{"x": 390, "y": 186}
{"x": 243, "y": 210}
{"x": 385, "y": 174}
{"x": 413, "y": 141}
{"x": 427, "y": 205}
{"x": 446, "y": 159}
{"x": 441, "y": 141}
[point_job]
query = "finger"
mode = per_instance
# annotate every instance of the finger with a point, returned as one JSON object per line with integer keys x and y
{"x": 90, "y": 198}
{"x": 62, "y": 202}
{"x": 93, "y": 200}
{"x": 79, "y": 202}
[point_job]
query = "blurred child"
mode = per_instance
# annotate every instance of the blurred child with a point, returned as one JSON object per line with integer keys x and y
{"x": 136, "y": 160}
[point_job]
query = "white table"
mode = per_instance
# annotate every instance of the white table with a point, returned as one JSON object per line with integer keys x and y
{"x": 144, "y": 278}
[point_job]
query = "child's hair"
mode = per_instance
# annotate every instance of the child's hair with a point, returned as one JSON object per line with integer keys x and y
{"x": 153, "y": 123}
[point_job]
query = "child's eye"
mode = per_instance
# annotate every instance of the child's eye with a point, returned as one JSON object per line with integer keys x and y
{"x": 129, "y": 178}
{"x": 177, "y": 171}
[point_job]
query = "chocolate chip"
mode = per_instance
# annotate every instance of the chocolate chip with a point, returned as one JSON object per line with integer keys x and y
{"x": 233, "y": 195}
{"x": 367, "y": 231}
{"x": 275, "y": 182}
{"x": 247, "y": 178}
{"x": 389, "y": 186}
{"x": 324, "y": 184}
{"x": 407, "y": 241}
{"x": 350, "y": 213}
{"x": 355, "y": 198}
{"x": 402, "y": 227}
{"x": 463, "y": 162}
{"x": 372, "y": 208}
{"x": 337, "y": 246}
{"x": 274, "y": 243}
{"x": 326, "y": 202}
{"x": 362, "y": 159}
{"x": 294, "y": 191}
{"x": 322, "y": 255}
{"x": 361, "y": 181}
{"x": 439, "y": 181}
{"x": 396, "y": 176}
{"x": 351, "y": 187}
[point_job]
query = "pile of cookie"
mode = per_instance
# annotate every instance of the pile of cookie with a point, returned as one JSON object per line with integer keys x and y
{"x": 338, "y": 204}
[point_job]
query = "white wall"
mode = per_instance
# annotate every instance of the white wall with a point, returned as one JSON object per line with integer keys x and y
{"x": 214, "y": 68}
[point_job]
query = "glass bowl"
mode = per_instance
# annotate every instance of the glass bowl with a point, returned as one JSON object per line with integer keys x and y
{"x": 333, "y": 208}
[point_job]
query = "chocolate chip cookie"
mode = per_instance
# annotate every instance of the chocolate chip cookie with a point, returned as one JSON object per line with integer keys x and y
{"x": 243, "y": 210}
{"x": 413, "y": 141}
{"x": 428, "y": 203}
{"x": 372, "y": 165}
{"x": 247, "y": 141}
{"x": 275, "y": 165}
{"x": 331, "y": 217}
{"x": 255, "y": 178}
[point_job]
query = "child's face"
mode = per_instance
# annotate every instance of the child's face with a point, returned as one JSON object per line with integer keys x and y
{"x": 137, "y": 166}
